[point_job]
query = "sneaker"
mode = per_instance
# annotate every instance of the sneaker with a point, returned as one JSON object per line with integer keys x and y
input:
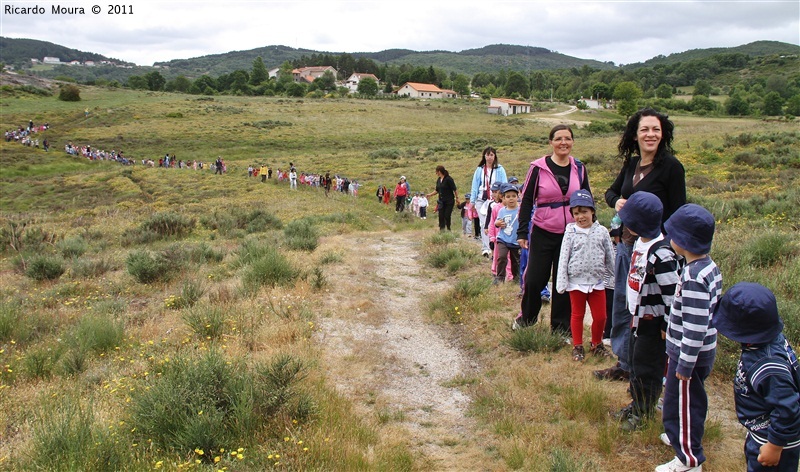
{"x": 607, "y": 342}
{"x": 578, "y": 354}
{"x": 486, "y": 254}
{"x": 612, "y": 373}
{"x": 599, "y": 350}
{"x": 664, "y": 439}
{"x": 675, "y": 465}
{"x": 516, "y": 325}
{"x": 660, "y": 404}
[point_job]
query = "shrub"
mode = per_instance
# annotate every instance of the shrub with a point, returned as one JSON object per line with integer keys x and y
{"x": 769, "y": 249}
{"x": 301, "y": 235}
{"x": 169, "y": 224}
{"x": 89, "y": 268}
{"x": 45, "y": 267}
{"x": 72, "y": 247}
{"x": 206, "y": 322}
{"x": 146, "y": 267}
{"x": 451, "y": 258}
{"x": 39, "y": 363}
{"x": 190, "y": 294}
{"x": 534, "y": 339}
{"x": 270, "y": 268}
{"x": 73, "y": 362}
{"x": 66, "y": 437}
{"x": 98, "y": 332}
{"x": 228, "y": 220}
{"x": 69, "y": 93}
{"x": 211, "y": 402}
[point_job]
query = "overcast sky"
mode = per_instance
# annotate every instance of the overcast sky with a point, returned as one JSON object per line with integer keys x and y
{"x": 620, "y": 31}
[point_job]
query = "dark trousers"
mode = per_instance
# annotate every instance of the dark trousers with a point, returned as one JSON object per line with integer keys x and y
{"x": 445, "y": 215}
{"x": 543, "y": 254}
{"x": 788, "y": 463}
{"x": 503, "y": 253}
{"x": 263, "y": 177}
{"x": 648, "y": 360}
{"x": 476, "y": 225}
{"x": 400, "y": 203}
{"x": 609, "y": 309}
{"x": 423, "y": 212}
{"x": 620, "y": 315}
{"x": 684, "y": 413}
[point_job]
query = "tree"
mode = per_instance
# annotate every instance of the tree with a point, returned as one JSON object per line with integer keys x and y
{"x": 137, "y": 82}
{"x": 69, "y": 93}
{"x": 259, "y": 73}
{"x": 296, "y": 89}
{"x": 737, "y": 105}
{"x": 155, "y": 81}
{"x": 388, "y": 88}
{"x": 204, "y": 85}
{"x": 793, "y": 106}
{"x": 517, "y": 85}
{"x": 702, "y": 87}
{"x": 178, "y": 84}
{"x": 600, "y": 91}
{"x": 626, "y": 94}
{"x": 664, "y": 91}
{"x": 326, "y": 82}
{"x": 461, "y": 85}
{"x": 368, "y": 86}
{"x": 773, "y": 104}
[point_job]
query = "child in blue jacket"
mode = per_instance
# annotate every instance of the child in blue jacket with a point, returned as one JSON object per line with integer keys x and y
{"x": 767, "y": 382}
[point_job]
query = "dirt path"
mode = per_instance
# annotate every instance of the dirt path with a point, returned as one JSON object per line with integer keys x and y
{"x": 396, "y": 367}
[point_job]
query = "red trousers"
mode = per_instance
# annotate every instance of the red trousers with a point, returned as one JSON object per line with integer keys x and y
{"x": 597, "y": 303}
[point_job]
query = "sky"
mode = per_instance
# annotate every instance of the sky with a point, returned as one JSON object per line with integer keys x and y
{"x": 622, "y": 32}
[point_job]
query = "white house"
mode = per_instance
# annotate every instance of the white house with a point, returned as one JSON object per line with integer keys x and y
{"x": 417, "y": 90}
{"x": 353, "y": 81}
{"x": 507, "y": 106}
{"x": 308, "y": 74}
{"x": 273, "y": 73}
{"x": 51, "y": 60}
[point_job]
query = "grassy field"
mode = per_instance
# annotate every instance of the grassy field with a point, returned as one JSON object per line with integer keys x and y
{"x": 164, "y": 318}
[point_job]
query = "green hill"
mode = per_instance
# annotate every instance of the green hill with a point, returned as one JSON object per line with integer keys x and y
{"x": 19, "y": 52}
{"x": 757, "y": 48}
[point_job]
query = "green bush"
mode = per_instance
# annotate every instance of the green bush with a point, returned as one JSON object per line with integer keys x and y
{"x": 444, "y": 258}
{"x": 147, "y": 268}
{"x": 190, "y": 294}
{"x": 98, "y": 332}
{"x": 45, "y": 267}
{"x": 212, "y": 402}
{"x": 769, "y": 249}
{"x": 39, "y": 363}
{"x": 230, "y": 219}
{"x": 69, "y": 93}
{"x": 66, "y": 437}
{"x": 270, "y": 268}
{"x": 207, "y": 322}
{"x": 10, "y": 315}
{"x": 301, "y": 235}
{"x": 160, "y": 226}
{"x": 72, "y": 247}
{"x": 90, "y": 268}
{"x": 536, "y": 338}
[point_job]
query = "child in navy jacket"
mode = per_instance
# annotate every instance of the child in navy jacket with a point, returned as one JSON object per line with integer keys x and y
{"x": 767, "y": 382}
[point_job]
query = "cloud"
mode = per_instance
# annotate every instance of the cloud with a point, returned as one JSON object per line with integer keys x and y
{"x": 618, "y": 31}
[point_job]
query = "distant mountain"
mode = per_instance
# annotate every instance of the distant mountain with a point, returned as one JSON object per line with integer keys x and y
{"x": 757, "y": 48}
{"x": 19, "y": 52}
{"x": 471, "y": 61}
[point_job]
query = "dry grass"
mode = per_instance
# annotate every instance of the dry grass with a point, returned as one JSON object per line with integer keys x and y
{"x": 537, "y": 411}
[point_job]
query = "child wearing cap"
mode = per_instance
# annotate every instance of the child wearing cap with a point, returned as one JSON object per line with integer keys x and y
{"x": 691, "y": 340}
{"x": 488, "y": 205}
{"x": 506, "y": 246}
{"x": 650, "y": 290}
{"x": 767, "y": 382}
{"x": 422, "y": 202}
{"x": 586, "y": 254}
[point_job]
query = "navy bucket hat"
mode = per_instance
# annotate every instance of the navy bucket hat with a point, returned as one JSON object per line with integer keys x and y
{"x": 642, "y": 214}
{"x": 508, "y": 188}
{"x": 581, "y": 198}
{"x": 497, "y": 186}
{"x": 692, "y": 228}
{"x": 748, "y": 313}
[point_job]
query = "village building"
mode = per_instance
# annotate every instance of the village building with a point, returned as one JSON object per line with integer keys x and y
{"x": 308, "y": 74}
{"x": 417, "y": 90}
{"x": 51, "y": 60}
{"x": 352, "y": 82}
{"x": 507, "y": 106}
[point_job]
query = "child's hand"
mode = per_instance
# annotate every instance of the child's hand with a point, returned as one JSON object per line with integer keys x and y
{"x": 500, "y": 223}
{"x": 681, "y": 377}
{"x": 770, "y": 455}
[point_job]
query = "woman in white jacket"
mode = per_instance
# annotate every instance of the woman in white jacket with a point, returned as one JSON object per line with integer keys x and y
{"x": 488, "y": 172}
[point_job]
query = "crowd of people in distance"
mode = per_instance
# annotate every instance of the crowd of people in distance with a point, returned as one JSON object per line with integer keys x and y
{"x": 326, "y": 181}
{"x": 29, "y": 135}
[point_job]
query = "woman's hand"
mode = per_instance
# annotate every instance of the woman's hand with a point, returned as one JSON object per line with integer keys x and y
{"x": 620, "y": 203}
{"x": 523, "y": 243}
{"x": 769, "y": 455}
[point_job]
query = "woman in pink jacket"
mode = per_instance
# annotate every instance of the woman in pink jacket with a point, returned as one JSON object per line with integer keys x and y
{"x": 550, "y": 182}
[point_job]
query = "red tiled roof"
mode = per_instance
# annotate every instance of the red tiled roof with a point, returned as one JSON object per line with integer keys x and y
{"x": 423, "y": 87}
{"x": 511, "y": 101}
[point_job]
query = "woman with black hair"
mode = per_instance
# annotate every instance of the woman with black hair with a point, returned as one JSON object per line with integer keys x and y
{"x": 488, "y": 172}
{"x": 448, "y": 196}
{"x": 648, "y": 165}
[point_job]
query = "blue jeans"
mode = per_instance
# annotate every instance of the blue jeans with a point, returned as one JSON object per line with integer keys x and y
{"x": 620, "y": 315}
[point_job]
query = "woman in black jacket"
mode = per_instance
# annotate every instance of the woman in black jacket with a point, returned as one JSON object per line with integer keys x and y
{"x": 648, "y": 165}
{"x": 448, "y": 196}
